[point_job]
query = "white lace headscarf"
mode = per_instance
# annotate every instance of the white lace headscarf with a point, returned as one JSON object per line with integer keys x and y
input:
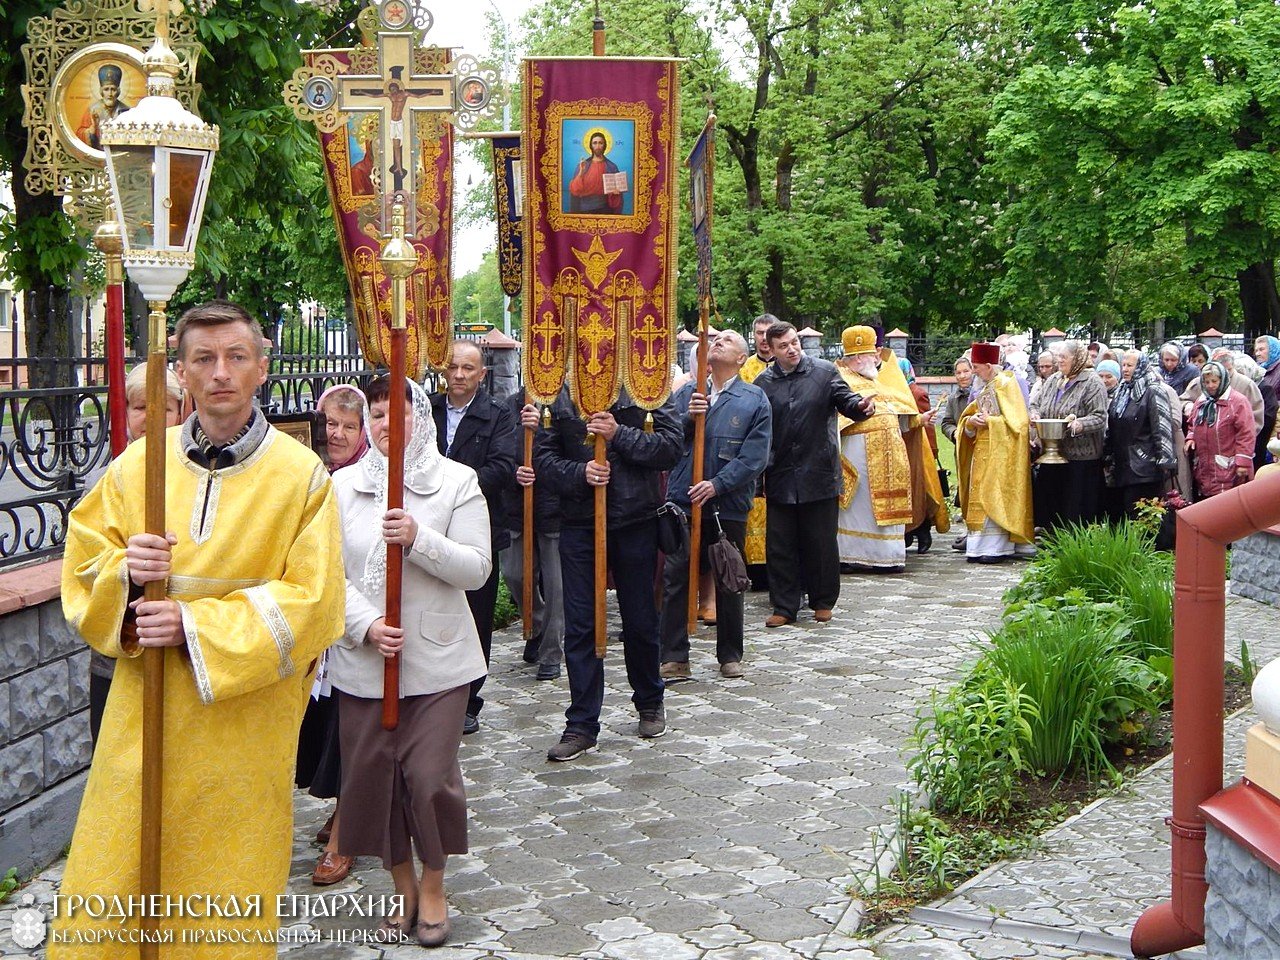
{"x": 421, "y": 461}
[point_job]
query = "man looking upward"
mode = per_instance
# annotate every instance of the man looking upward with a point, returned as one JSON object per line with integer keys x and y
{"x": 739, "y": 427}
{"x": 256, "y": 592}
{"x": 802, "y": 482}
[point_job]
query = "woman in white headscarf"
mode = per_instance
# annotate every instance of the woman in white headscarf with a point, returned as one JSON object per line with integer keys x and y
{"x": 402, "y": 789}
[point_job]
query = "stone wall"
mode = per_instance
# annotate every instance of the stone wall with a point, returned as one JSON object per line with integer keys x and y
{"x": 44, "y": 724}
{"x": 1242, "y": 912}
{"x": 1255, "y": 568}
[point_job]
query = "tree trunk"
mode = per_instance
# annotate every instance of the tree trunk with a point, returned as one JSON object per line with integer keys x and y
{"x": 1212, "y": 316}
{"x": 1258, "y": 300}
{"x": 45, "y": 305}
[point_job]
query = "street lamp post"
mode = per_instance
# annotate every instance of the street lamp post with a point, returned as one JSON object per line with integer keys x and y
{"x": 159, "y": 161}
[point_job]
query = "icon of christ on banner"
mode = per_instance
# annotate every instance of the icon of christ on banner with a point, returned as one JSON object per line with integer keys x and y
{"x": 600, "y": 181}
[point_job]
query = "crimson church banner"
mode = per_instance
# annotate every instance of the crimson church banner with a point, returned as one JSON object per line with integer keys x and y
{"x": 600, "y": 136}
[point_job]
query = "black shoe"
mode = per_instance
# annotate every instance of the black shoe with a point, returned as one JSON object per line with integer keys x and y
{"x": 909, "y": 537}
{"x": 531, "y": 647}
{"x": 924, "y": 540}
{"x": 571, "y": 745}
{"x": 987, "y": 560}
{"x": 471, "y": 724}
{"x": 548, "y": 671}
{"x": 960, "y": 543}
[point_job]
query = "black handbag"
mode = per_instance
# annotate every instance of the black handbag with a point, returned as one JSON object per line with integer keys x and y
{"x": 673, "y": 529}
{"x": 728, "y": 569}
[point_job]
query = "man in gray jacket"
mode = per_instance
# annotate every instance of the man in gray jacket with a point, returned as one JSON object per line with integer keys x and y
{"x": 739, "y": 428}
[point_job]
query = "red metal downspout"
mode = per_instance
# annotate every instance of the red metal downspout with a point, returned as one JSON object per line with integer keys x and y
{"x": 1199, "y": 599}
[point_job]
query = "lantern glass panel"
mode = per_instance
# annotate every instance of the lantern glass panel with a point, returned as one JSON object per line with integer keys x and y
{"x": 134, "y": 169}
{"x": 184, "y": 187}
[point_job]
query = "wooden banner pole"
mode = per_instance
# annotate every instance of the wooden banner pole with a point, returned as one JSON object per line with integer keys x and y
{"x": 601, "y": 556}
{"x": 699, "y": 466}
{"x": 526, "y": 584}
{"x": 153, "y": 658}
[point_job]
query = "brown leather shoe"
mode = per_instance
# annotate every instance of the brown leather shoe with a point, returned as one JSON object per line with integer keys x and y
{"x": 332, "y": 868}
{"x": 821, "y": 616}
{"x": 731, "y": 670}
{"x": 325, "y": 832}
{"x": 778, "y": 620}
{"x": 674, "y": 671}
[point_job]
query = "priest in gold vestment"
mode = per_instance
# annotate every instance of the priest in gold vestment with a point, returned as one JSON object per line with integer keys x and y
{"x": 993, "y": 460}
{"x": 875, "y": 497}
{"x": 255, "y": 593}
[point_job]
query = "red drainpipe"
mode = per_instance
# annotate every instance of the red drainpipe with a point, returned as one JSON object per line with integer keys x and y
{"x": 1199, "y": 599}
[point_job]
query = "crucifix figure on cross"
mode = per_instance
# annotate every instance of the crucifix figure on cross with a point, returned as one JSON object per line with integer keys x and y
{"x": 392, "y": 93}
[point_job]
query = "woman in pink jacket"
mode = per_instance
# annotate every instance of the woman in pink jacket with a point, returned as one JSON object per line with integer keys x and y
{"x": 1221, "y": 434}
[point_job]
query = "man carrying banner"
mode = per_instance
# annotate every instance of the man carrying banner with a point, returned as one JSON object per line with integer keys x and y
{"x": 739, "y": 429}
{"x": 631, "y": 473}
{"x": 255, "y": 594}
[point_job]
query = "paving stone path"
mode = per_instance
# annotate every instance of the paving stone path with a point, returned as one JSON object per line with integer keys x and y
{"x": 737, "y": 836}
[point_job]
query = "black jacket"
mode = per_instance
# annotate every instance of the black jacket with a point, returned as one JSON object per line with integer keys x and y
{"x": 804, "y": 460}
{"x": 636, "y": 461}
{"x": 546, "y": 502}
{"x": 1139, "y": 442}
{"x": 485, "y": 442}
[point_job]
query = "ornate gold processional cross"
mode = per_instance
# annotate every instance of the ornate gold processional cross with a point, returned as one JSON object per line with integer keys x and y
{"x": 596, "y": 334}
{"x": 392, "y": 93}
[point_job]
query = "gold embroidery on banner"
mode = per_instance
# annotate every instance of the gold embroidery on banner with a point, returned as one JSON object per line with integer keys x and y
{"x": 596, "y": 260}
{"x": 204, "y": 685}
{"x": 265, "y": 604}
{"x": 508, "y": 254}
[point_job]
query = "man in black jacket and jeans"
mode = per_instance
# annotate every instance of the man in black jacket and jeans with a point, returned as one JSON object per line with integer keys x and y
{"x": 636, "y": 458}
{"x": 802, "y": 481}
{"x": 475, "y": 429}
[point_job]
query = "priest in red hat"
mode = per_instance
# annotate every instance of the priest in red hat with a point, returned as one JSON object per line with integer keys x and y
{"x": 993, "y": 457}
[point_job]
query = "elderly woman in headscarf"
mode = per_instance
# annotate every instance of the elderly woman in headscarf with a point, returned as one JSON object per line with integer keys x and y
{"x": 1175, "y": 369}
{"x": 1108, "y": 372}
{"x": 319, "y": 766}
{"x": 1071, "y": 492}
{"x": 1140, "y": 446}
{"x": 1221, "y": 434}
{"x": 402, "y": 789}
{"x": 1266, "y": 350}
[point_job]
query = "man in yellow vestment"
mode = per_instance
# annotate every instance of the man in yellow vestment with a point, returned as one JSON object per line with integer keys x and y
{"x": 875, "y": 497}
{"x": 757, "y": 519}
{"x": 255, "y": 593}
{"x": 993, "y": 460}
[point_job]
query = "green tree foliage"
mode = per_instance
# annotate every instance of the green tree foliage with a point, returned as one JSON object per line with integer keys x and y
{"x": 268, "y": 236}
{"x": 850, "y": 181}
{"x": 1142, "y": 141}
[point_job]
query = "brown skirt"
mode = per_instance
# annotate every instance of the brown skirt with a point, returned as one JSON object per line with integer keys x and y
{"x": 403, "y": 785}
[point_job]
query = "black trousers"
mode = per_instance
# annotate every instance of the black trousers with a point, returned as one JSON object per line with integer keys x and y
{"x": 675, "y": 597}
{"x": 482, "y": 602}
{"x": 802, "y": 557}
{"x": 1067, "y": 493}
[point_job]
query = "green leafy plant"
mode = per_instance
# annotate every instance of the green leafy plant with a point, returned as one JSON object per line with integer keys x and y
{"x": 1248, "y": 666}
{"x": 8, "y": 883}
{"x": 1073, "y": 662}
{"x": 505, "y": 611}
{"x": 970, "y": 745}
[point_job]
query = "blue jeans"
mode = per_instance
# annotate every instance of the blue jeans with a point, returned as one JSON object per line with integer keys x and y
{"x": 633, "y": 558}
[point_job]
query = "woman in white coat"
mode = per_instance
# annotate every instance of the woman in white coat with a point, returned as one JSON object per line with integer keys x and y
{"x": 402, "y": 789}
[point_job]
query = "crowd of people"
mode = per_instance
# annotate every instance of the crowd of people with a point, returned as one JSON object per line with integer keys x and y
{"x": 277, "y": 569}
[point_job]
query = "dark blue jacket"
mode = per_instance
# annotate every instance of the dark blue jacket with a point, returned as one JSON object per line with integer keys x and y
{"x": 636, "y": 461}
{"x": 739, "y": 430}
